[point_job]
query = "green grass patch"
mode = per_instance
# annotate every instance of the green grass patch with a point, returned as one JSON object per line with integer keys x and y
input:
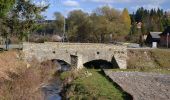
{"x": 95, "y": 86}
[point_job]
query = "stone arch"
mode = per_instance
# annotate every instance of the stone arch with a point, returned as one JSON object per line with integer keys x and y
{"x": 99, "y": 63}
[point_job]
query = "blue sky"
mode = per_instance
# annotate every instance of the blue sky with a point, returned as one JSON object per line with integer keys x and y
{"x": 64, "y": 6}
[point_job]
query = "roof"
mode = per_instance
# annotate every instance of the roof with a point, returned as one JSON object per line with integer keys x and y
{"x": 167, "y": 30}
{"x": 155, "y": 34}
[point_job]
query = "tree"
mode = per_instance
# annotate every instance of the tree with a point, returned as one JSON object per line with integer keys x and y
{"x": 101, "y": 27}
{"x": 59, "y": 22}
{"x": 78, "y": 26}
{"x": 152, "y": 20}
{"x": 5, "y": 6}
{"x": 166, "y": 19}
{"x": 110, "y": 13}
{"x": 107, "y": 22}
{"x": 25, "y": 14}
{"x": 126, "y": 21}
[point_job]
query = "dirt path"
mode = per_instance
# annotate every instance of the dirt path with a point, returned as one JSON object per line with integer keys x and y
{"x": 143, "y": 86}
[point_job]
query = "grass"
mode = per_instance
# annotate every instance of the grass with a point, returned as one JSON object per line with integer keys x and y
{"x": 10, "y": 62}
{"x": 94, "y": 87}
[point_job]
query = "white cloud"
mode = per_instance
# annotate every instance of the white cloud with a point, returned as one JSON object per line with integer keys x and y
{"x": 71, "y": 3}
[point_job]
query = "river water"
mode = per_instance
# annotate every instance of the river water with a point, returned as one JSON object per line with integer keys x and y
{"x": 53, "y": 89}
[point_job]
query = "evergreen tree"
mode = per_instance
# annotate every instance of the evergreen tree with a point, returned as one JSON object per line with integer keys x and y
{"x": 5, "y": 6}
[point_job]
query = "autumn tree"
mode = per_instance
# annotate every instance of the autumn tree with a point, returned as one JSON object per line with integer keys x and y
{"x": 126, "y": 21}
{"x": 108, "y": 24}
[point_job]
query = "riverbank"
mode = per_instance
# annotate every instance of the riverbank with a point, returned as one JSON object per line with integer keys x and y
{"x": 22, "y": 81}
{"x": 92, "y": 84}
{"x": 19, "y": 80}
{"x": 148, "y": 59}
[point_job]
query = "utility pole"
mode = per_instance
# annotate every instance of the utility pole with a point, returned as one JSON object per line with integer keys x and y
{"x": 167, "y": 40}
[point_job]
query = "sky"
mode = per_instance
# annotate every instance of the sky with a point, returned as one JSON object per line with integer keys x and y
{"x": 65, "y": 6}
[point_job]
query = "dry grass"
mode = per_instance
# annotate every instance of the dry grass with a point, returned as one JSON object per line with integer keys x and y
{"x": 162, "y": 57}
{"x": 10, "y": 61}
{"x": 149, "y": 59}
{"x": 140, "y": 59}
{"x": 24, "y": 83}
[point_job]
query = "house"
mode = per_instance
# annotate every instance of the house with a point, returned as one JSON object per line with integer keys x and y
{"x": 153, "y": 37}
{"x": 165, "y": 37}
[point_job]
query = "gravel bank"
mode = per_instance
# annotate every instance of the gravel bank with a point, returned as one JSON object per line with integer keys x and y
{"x": 143, "y": 86}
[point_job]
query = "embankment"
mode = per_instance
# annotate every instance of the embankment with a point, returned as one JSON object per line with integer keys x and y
{"x": 148, "y": 59}
{"x": 20, "y": 81}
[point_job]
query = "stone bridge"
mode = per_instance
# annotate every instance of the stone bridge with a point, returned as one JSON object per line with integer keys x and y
{"x": 76, "y": 54}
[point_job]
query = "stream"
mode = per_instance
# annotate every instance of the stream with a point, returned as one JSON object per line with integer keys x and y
{"x": 53, "y": 89}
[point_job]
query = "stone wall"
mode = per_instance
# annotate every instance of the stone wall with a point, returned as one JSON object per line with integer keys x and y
{"x": 84, "y": 51}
